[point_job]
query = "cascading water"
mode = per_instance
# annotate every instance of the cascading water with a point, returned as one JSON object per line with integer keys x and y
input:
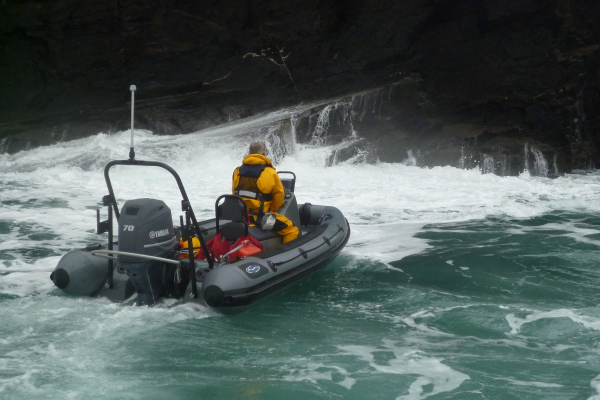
{"x": 462, "y": 159}
{"x": 535, "y": 163}
{"x": 540, "y": 165}
{"x": 368, "y": 103}
{"x": 322, "y": 126}
{"x": 454, "y": 284}
{"x": 3, "y": 145}
{"x": 334, "y": 125}
{"x": 321, "y": 130}
{"x": 502, "y": 166}
{"x": 280, "y": 139}
{"x": 410, "y": 160}
{"x": 487, "y": 166}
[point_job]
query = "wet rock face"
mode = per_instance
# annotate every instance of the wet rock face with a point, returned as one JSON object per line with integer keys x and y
{"x": 459, "y": 82}
{"x": 368, "y": 128}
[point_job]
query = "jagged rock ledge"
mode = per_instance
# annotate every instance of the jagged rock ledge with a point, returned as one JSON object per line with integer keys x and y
{"x": 492, "y": 84}
{"x": 366, "y": 128}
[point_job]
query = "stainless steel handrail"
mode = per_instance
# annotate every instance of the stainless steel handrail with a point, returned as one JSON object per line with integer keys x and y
{"x": 107, "y": 254}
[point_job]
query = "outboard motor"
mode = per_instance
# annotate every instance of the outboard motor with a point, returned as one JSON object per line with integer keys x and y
{"x": 146, "y": 227}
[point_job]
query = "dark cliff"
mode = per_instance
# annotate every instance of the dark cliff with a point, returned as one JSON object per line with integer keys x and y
{"x": 466, "y": 82}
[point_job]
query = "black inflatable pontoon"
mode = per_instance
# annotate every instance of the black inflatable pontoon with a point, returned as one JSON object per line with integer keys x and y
{"x": 148, "y": 260}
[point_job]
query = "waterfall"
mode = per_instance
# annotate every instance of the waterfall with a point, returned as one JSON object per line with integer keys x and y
{"x": 333, "y": 124}
{"x": 333, "y": 158}
{"x": 526, "y": 167}
{"x": 504, "y": 167}
{"x": 293, "y": 124}
{"x": 342, "y": 117}
{"x": 369, "y": 102}
{"x": 280, "y": 139}
{"x": 322, "y": 125}
{"x": 535, "y": 163}
{"x": 461, "y": 160}
{"x": 3, "y": 145}
{"x": 487, "y": 166}
{"x": 410, "y": 160}
{"x": 540, "y": 165}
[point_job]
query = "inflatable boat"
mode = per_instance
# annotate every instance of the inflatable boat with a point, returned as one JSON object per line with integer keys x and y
{"x": 224, "y": 262}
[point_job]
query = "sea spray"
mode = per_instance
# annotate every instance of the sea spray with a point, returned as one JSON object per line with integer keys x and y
{"x": 453, "y": 283}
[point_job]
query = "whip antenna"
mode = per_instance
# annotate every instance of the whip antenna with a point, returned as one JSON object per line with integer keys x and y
{"x": 131, "y": 151}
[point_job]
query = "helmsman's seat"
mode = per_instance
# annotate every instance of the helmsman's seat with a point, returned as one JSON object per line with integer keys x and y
{"x": 231, "y": 217}
{"x": 232, "y": 220}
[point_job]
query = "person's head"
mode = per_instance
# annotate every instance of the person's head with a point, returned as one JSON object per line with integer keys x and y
{"x": 258, "y": 148}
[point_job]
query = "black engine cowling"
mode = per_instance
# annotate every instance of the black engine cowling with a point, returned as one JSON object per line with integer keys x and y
{"x": 146, "y": 227}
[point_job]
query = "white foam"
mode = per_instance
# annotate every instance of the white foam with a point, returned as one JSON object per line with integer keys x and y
{"x": 570, "y": 229}
{"x": 303, "y": 370}
{"x": 595, "y": 384}
{"x": 517, "y": 382}
{"x": 385, "y": 242}
{"x": 516, "y": 323}
{"x": 411, "y": 321}
{"x": 54, "y": 191}
{"x": 427, "y": 371}
{"x": 59, "y": 345}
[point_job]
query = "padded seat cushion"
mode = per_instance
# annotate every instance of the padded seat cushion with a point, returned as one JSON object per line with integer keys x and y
{"x": 234, "y": 230}
{"x": 261, "y": 235}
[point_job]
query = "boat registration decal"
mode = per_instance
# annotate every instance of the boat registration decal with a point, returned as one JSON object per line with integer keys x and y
{"x": 253, "y": 270}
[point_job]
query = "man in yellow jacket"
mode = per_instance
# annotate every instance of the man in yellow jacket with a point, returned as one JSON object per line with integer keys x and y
{"x": 257, "y": 182}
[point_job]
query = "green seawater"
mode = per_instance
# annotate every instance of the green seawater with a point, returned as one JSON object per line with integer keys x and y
{"x": 454, "y": 284}
{"x": 499, "y": 308}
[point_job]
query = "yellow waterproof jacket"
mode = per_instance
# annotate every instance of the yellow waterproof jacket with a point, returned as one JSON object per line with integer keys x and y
{"x": 268, "y": 183}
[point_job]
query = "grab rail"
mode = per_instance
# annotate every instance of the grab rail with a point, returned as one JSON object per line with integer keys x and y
{"x": 185, "y": 207}
{"x": 107, "y": 254}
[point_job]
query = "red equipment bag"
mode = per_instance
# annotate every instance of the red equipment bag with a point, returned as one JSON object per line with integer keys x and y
{"x": 217, "y": 246}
